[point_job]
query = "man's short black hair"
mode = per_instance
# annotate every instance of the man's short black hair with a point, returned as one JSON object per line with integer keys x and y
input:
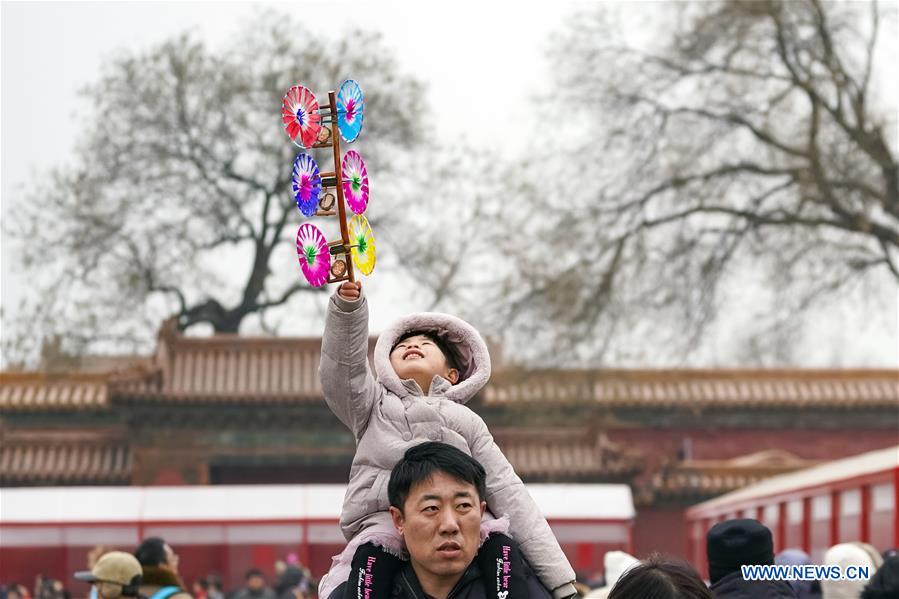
{"x": 253, "y": 572}
{"x": 151, "y": 552}
{"x": 441, "y": 345}
{"x": 421, "y": 462}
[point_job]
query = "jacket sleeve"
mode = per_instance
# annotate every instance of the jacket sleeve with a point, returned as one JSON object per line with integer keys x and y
{"x": 349, "y": 387}
{"x": 506, "y": 495}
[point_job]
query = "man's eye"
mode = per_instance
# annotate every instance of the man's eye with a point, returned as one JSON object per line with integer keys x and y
{"x": 464, "y": 506}
{"x": 430, "y": 509}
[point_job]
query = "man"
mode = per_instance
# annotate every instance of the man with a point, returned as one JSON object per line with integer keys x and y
{"x": 159, "y": 564}
{"x": 436, "y": 502}
{"x": 255, "y": 587}
{"x": 742, "y": 542}
{"x": 115, "y": 574}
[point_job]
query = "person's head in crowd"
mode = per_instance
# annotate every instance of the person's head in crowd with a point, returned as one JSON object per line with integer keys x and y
{"x": 615, "y": 564}
{"x": 199, "y": 588}
{"x": 153, "y": 551}
{"x": 14, "y": 590}
{"x": 844, "y": 555}
{"x": 255, "y": 581}
{"x": 735, "y": 543}
{"x": 891, "y": 552}
{"x": 436, "y": 495}
{"x": 796, "y": 557}
{"x": 115, "y": 574}
{"x": 660, "y": 578}
{"x": 885, "y": 582}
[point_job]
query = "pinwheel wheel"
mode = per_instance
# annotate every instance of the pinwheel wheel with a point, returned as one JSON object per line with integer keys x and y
{"x": 362, "y": 244}
{"x": 349, "y": 110}
{"x": 299, "y": 112}
{"x": 355, "y": 182}
{"x": 307, "y": 184}
{"x": 312, "y": 250}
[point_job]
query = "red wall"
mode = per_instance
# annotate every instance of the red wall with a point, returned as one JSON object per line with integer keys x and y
{"x": 660, "y": 530}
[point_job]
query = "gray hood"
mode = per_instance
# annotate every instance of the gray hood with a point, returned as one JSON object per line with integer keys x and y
{"x": 466, "y": 343}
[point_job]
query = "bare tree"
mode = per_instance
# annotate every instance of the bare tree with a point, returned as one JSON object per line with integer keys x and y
{"x": 750, "y": 136}
{"x": 179, "y": 198}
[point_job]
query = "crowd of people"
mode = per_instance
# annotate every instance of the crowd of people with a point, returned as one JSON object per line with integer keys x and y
{"x": 745, "y": 542}
{"x": 152, "y": 572}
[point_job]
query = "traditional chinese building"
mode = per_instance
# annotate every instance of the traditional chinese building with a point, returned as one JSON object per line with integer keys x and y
{"x": 238, "y": 410}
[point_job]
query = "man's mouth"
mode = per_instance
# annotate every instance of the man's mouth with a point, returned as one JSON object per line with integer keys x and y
{"x": 412, "y": 352}
{"x": 450, "y": 549}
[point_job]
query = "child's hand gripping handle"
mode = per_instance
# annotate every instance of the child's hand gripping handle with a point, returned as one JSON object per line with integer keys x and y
{"x": 350, "y": 290}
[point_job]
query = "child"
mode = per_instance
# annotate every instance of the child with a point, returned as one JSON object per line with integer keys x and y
{"x": 428, "y": 365}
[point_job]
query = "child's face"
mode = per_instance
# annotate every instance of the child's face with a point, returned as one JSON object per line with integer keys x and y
{"x": 419, "y": 358}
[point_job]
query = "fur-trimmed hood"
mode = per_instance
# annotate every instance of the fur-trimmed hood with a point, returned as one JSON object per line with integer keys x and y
{"x": 465, "y": 342}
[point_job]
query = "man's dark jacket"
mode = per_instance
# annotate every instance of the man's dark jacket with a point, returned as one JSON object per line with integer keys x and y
{"x": 470, "y": 586}
{"x": 733, "y": 586}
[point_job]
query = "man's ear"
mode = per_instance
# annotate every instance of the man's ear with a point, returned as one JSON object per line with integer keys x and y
{"x": 397, "y": 516}
{"x": 483, "y": 507}
{"x": 452, "y": 376}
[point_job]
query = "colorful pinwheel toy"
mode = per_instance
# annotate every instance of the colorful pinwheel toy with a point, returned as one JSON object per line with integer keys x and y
{"x": 355, "y": 182}
{"x": 315, "y": 258}
{"x": 307, "y": 184}
{"x": 362, "y": 244}
{"x": 320, "y": 261}
{"x": 349, "y": 110}
{"x": 299, "y": 112}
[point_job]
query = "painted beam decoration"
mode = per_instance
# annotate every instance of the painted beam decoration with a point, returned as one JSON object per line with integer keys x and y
{"x": 312, "y": 125}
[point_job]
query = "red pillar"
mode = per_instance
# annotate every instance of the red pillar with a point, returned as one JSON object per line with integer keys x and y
{"x": 630, "y": 538}
{"x": 781, "y": 543}
{"x": 896, "y": 508}
{"x": 864, "y": 517}
{"x": 834, "y": 517}
{"x": 691, "y": 544}
{"x": 807, "y": 524}
{"x": 304, "y": 543}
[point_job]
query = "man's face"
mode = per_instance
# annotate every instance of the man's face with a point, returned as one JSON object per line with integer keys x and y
{"x": 255, "y": 583}
{"x": 440, "y": 523}
{"x": 418, "y": 357}
{"x": 171, "y": 558}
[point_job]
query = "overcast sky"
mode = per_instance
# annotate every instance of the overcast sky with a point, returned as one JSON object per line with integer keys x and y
{"x": 462, "y": 49}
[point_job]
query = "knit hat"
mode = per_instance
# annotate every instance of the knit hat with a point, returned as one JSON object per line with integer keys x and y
{"x": 116, "y": 567}
{"x": 736, "y": 543}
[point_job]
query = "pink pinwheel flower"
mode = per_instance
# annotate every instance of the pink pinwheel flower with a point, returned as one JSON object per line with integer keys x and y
{"x": 312, "y": 251}
{"x": 355, "y": 182}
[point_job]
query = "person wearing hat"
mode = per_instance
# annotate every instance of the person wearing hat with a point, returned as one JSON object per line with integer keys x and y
{"x": 116, "y": 574}
{"x": 845, "y": 555}
{"x": 159, "y": 563}
{"x": 743, "y": 542}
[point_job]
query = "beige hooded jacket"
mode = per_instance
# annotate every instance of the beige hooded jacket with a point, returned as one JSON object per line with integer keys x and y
{"x": 388, "y": 415}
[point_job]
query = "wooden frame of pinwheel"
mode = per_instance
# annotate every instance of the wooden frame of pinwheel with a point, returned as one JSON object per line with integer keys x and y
{"x": 310, "y": 126}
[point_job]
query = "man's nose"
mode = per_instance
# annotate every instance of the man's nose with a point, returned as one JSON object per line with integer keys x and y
{"x": 449, "y": 524}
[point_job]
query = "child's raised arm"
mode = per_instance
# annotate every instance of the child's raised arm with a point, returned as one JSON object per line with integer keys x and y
{"x": 348, "y": 385}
